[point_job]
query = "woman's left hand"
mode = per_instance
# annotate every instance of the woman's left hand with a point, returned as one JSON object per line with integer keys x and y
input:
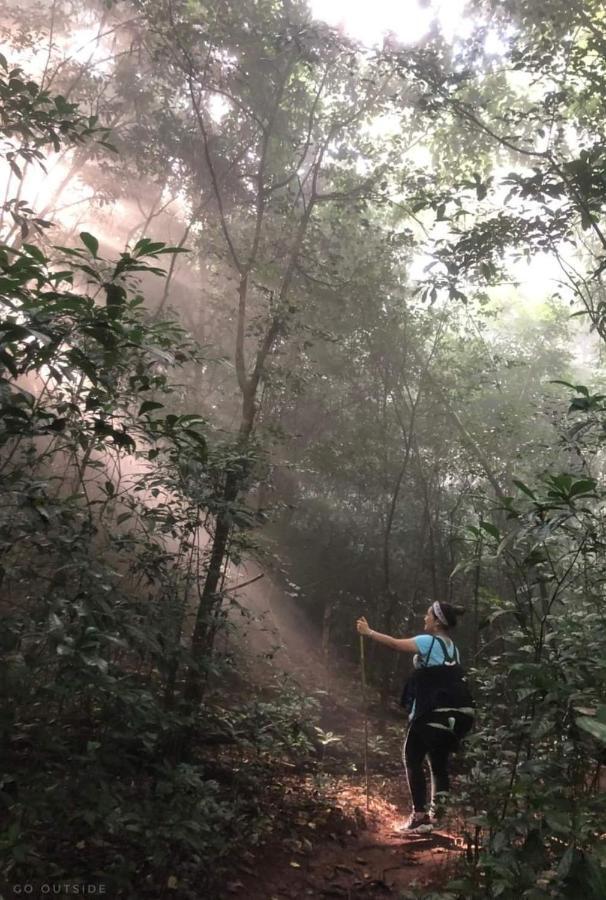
{"x": 363, "y": 626}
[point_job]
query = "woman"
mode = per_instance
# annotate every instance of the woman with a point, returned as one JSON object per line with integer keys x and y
{"x": 439, "y": 703}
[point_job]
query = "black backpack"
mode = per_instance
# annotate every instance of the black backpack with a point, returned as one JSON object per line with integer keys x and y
{"x": 441, "y": 687}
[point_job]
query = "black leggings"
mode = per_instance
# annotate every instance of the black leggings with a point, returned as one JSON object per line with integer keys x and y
{"x": 424, "y": 739}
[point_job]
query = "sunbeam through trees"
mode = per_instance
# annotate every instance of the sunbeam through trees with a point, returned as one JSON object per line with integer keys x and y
{"x": 302, "y": 325}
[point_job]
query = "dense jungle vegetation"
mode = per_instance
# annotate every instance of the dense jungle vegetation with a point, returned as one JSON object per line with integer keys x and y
{"x": 285, "y": 309}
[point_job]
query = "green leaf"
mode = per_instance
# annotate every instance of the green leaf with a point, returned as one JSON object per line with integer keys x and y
{"x": 84, "y": 363}
{"x": 584, "y": 486}
{"x": 9, "y": 361}
{"x": 36, "y": 252}
{"x": 146, "y": 247}
{"x": 15, "y": 168}
{"x": 593, "y": 727}
{"x": 579, "y": 404}
{"x": 465, "y": 565}
{"x": 524, "y": 488}
{"x": 579, "y": 388}
{"x": 566, "y": 862}
{"x": 491, "y": 529}
{"x": 90, "y": 242}
{"x": 148, "y": 405}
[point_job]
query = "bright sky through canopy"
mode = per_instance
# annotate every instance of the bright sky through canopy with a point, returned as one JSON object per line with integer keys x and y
{"x": 409, "y": 20}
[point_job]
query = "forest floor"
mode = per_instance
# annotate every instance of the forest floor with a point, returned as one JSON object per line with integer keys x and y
{"x": 332, "y": 847}
{"x": 326, "y": 839}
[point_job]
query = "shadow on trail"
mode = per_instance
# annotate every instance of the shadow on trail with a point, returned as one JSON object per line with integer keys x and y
{"x": 347, "y": 852}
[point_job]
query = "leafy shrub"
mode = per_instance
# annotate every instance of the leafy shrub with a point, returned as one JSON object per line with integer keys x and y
{"x": 532, "y": 796}
{"x": 104, "y": 489}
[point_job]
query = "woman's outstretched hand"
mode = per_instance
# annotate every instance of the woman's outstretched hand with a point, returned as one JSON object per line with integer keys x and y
{"x": 363, "y": 626}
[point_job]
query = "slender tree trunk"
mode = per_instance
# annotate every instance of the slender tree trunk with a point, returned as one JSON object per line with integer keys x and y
{"x": 329, "y": 607}
{"x": 211, "y": 593}
{"x": 467, "y": 439}
{"x": 476, "y": 601}
{"x": 429, "y": 530}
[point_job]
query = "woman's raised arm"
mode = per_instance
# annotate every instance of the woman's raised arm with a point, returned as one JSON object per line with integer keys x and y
{"x": 405, "y": 645}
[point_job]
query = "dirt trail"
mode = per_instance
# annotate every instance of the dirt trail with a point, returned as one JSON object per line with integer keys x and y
{"x": 350, "y": 854}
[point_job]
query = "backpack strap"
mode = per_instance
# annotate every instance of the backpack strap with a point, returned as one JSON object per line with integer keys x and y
{"x": 449, "y": 659}
{"x": 428, "y": 654}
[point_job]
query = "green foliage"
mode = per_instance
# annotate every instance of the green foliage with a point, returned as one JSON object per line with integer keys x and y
{"x": 105, "y": 485}
{"x": 35, "y": 119}
{"x": 533, "y": 799}
{"x": 594, "y": 726}
{"x": 31, "y": 121}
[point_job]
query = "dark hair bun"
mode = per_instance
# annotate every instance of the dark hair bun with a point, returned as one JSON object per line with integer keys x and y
{"x": 452, "y": 613}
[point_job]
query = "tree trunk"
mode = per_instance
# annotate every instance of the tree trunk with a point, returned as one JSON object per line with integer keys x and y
{"x": 467, "y": 439}
{"x": 211, "y": 593}
{"x": 476, "y": 602}
{"x": 329, "y": 607}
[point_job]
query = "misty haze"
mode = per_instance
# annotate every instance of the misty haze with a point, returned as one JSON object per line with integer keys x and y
{"x": 302, "y": 449}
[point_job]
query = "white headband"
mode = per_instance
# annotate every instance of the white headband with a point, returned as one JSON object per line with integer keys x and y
{"x": 437, "y": 611}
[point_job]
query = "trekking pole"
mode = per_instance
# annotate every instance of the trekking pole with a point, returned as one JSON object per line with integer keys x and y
{"x": 365, "y": 720}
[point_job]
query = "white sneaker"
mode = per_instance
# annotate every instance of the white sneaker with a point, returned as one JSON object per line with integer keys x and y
{"x": 418, "y": 822}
